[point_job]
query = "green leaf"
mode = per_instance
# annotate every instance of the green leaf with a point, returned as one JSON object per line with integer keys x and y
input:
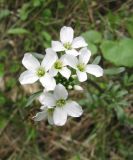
{"x": 46, "y": 36}
{"x": 119, "y": 53}
{"x": 33, "y": 97}
{"x": 1, "y": 70}
{"x": 92, "y": 47}
{"x": 114, "y": 71}
{"x": 92, "y": 36}
{"x": 17, "y": 31}
{"x": 4, "y": 13}
{"x": 36, "y": 3}
{"x": 120, "y": 113}
{"x": 24, "y": 11}
{"x": 129, "y": 26}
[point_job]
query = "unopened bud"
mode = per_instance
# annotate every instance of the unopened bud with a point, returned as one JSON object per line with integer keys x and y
{"x": 74, "y": 76}
{"x": 70, "y": 87}
{"x": 78, "y": 88}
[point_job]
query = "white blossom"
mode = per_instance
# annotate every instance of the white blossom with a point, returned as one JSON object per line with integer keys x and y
{"x": 60, "y": 66}
{"x": 46, "y": 113}
{"x": 81, "y": 65}
{"x": 58, "y": 106}
{"x": 38, "y": 71}
{"x": 68, "y": 43}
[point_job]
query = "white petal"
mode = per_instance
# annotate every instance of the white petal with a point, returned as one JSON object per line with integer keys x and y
{"x": 47, "y": 99}
{"x": 28, "y": 77}
{"x": 95, "y": 70}
{"x": 59, "y": 116}
{"x": 30, "y": 62}
{"x": 72, "y": 52}
{"x": 79, "y": 42}
{"x": 73, "y": 109}
{"x": 43, "y": 107}
{"x": 66, "y": 34}
{"x": 60, "y": 92}
{"x": 48, "y": 82}
{"x": 84, "y": 56}
{"x": 57, "y": 46}
{"x": 50, "y": 118}
{"x": 62, "y": 59}
{"x": 53, "y": 72}
{"x": 82, "y": 76}
{"x": 49, "y": 59}
{"x": 65, "y": 72}
{"x": 41, "y": 115}
{"x": 70, "y": 60}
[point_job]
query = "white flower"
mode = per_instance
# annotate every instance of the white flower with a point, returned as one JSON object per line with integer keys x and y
{"x": 81, "y": 66}
{"x": 46, "y": 113}
{"x": 68, "y": 43}
{"x": 36, "y": 71}
{"x": 59, "y": 106}
{"x": 60, "y": 66}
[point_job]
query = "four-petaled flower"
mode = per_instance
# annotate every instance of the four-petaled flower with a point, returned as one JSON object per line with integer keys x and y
{"x": 68, "y": 43}
{"x": 60, "y": 66}
{"x": 81, "y": 66}
{"x": 36, "y": 71}
{"x": 56, "y": 107}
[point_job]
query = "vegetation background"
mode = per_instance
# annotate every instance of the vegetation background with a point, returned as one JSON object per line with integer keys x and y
{"x": 105, "y": 131}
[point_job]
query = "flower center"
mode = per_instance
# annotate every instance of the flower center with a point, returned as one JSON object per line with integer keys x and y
{"x": 41, "y": 72}
{"x": 60, "y": 102}
{"x": 50, "y": 111}
{"x": 68, "y": 45}
{"x": 58, "y": 65}
{"x": 81, "y": 67}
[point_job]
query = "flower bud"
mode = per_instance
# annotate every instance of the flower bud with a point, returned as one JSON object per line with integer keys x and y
{"x": 78, "y": 88}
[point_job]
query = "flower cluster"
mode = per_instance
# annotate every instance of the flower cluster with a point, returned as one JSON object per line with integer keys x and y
{"x": 63, "y": 67}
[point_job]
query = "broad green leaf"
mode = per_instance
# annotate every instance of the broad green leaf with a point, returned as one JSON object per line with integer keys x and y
{"x": 119, "y": 53}
{"x": 92, "y": 47}
{"x": 17, "y": 31}
{"x": 32, "y": 98}
{"x": 114, "y": 71}
{"x": 92, "y": 36}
